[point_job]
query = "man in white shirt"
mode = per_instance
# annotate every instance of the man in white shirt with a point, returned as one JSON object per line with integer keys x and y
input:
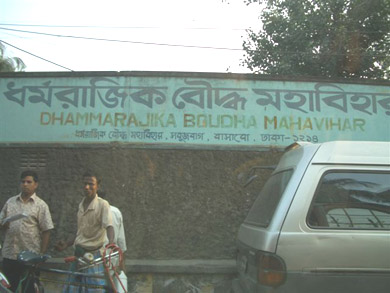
{"x": 119, "y": 232}
{"x": 120, "y": 241}
{"x": 117, "y": 224}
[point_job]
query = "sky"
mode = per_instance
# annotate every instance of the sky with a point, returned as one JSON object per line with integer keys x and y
{"x": 133, "y": 34}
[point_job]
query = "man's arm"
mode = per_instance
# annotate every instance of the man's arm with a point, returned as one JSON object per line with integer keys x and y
{"x": 123, "y": 263}
{"x": 45, "y": 240}
{"x": 64, "y": 244}
{"x": 45, "y": 224}
{"x": 121, "y": 237}
{"x": 3, "y": 215}
{"x": 5, "y": 226}
{"x": 110, "y": 234}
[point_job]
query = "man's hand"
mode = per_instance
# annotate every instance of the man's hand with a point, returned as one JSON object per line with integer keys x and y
{"x": 61, "y": 245}
{"x": 64, "y": 244}
{"x": 5, "y": 226}
{"x": 122, "y": 266}
{"x": 110, "y": 234}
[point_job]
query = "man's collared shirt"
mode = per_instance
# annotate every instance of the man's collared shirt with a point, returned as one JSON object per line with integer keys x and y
{"x": 92, "y": 223}
{"x": 25, "y": 233}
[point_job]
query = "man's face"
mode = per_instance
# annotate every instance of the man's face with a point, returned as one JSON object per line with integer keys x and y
{"x": 90, "y": 187}
{"x": 28, "y": 185}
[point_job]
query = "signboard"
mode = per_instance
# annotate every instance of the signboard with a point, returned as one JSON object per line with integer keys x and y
{"x": 188, "y": 110}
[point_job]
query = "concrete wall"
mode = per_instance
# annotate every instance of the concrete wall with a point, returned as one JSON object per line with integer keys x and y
{"x": 176, "y": 204}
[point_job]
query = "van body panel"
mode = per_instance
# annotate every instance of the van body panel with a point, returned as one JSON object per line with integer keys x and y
{"x": 328, "y": 258}
{"x": 326, "y": 251}
{"x": 265, "y": 238}
{"x": 316, "y": 253}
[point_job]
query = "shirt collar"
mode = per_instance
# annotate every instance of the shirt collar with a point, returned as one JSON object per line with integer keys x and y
{"x": 92, "y": 204}
{"x": 32, "y": 197}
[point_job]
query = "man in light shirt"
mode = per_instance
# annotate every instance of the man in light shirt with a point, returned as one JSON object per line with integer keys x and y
{"x": 30, "y": 232}
{"x": 94, "y": 224}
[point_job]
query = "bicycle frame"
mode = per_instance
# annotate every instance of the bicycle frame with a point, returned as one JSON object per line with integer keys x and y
{"x": 30, "y": 276}
{"x": 109, "y": 254}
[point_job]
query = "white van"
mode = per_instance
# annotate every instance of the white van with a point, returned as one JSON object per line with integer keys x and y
{"x": 321, "y": 222}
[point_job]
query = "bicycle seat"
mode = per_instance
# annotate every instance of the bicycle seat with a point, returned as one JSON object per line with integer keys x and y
{"x": 32, "y": 257}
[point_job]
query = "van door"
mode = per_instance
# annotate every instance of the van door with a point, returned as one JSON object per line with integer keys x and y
{"x": 336, "y": 236}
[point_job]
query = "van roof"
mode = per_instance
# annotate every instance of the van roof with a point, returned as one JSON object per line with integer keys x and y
{"x": 353, "y": 152}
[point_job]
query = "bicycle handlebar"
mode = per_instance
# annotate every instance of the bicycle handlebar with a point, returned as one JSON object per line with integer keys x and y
{"x": 32, "y": 257}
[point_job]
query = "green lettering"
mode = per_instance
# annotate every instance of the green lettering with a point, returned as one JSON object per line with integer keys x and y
{"x": 81, "y": 118}
{"x": 226, "y": 121}
{"x": 359, "y": 123}
{"x": 171, "y": 120}
{"x": 69, "y": 119}
{"x": 132, "y": 120}
{"x": 108, "y": 120}
{"x": 159, "y": 118}
{"x": 60, "y": 119}
{"x": 307, "y": 124}
{"x": 201, "y": 121}
{"x": 45, "y": 118}
{"x": 97, "y": 117}
{"x": 119, "y": 119}
{"x": 271, "y": 121}
{"x": 189, "y": 120}
{"x": 319, "y": 123}
{"x": 334, "y": 124}
{"x": 146, "y": 123}
{"x": 283, "y": 123}
{"x": 298, "y": 123}
{"x": 251, "y": 122}
{"x": 346, "y": 125}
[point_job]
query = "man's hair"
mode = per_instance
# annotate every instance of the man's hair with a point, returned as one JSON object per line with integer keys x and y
{"x": 102, "y": 194}
{"x": 31, "y": 173}
{"x": 92, "y": 174}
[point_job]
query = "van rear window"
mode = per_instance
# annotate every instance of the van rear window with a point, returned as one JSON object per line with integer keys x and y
{"x": 265, "y": 204}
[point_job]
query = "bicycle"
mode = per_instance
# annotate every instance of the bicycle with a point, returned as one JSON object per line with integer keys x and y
{"x": 33, "y": 261}
{"x": 4, "y": 284}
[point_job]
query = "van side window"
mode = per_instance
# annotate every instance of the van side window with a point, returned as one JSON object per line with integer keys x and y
{"x": 351, "y": 200}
